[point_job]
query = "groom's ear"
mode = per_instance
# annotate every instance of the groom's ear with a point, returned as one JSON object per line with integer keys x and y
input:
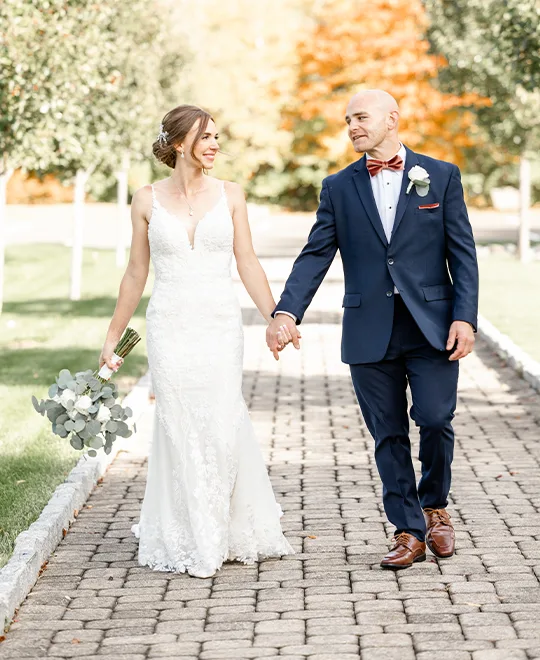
{"x": 393, "y": 120}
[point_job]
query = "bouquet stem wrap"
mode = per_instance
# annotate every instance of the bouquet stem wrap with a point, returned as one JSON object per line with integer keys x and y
{"x": 105, "y": 372}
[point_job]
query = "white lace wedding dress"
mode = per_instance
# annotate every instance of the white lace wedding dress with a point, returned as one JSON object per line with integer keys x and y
{"x": 208, "y": 496}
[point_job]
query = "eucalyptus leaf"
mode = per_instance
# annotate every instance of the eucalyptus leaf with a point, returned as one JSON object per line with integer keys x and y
{"x": 123, "y": 430}
{"x": 112, "y": 426}
{"x": 76, "y": 442}
{"x": 72, "y": 384}
{"x": 85, "y": 434}
{"x": 93, "y": 409}
{"x": 37, "y": 405}
{"x": 107, "y": 449}
{"x": 128, "y": 412}
{"x": 94, "y": 384}
{"x": 61, "y": 431}
{"x": 96, "y": 443}
{"x": 49, "y": 403}
{"x": 79, "y": 425}
{"x": 53, "y": 390}
{"x": 117, "y": 411}
{"x": 93, "y": 426}
{"x": 106, "y": 392}
{"x": 69, "y": 425}
{"x": 81, "y": 388}
{"x": 96, "y": 396}
{"x": 62, "y": 418}
{"x": 92, "y": 453}
{"x": 69, "y": 405}
{"x": 109, "y": 402}
{"x": 54, "y": 412}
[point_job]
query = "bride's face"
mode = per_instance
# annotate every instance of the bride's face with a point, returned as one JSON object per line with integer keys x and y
{"x": 205, "y": 149}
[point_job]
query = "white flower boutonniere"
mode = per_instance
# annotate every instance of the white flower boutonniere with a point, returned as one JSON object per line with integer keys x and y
{"x": 420, "y": 179}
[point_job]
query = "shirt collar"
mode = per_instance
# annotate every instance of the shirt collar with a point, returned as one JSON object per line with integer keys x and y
{"x": 402, "y": 152}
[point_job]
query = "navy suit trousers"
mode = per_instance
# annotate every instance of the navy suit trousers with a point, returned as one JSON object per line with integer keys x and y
{"x": 381, "y": 391}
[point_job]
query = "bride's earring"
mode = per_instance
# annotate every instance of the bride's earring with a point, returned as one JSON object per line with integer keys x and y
{"x": 181, "y": 154}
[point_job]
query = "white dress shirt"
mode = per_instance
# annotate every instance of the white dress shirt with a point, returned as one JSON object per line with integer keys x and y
{"x": 386, "y": 186}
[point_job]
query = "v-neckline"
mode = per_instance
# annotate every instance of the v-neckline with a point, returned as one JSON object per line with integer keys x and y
{"x": 177, "y": 218}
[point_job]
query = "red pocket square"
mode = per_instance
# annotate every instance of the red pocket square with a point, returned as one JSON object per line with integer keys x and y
{"x": 430, "y": 206}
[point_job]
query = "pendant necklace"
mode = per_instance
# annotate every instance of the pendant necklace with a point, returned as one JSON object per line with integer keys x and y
{"x": 185, "y": 197}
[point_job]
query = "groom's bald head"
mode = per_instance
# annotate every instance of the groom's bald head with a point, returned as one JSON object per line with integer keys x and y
{"x": 372, "y": 117}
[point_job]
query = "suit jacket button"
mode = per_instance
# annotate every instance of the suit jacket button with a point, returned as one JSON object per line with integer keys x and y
{"x": 390, "y": 262}
{"x": 389, "y": 294}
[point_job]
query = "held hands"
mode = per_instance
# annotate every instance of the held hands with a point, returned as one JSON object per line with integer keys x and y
{"x": 460, "y": 337}
{"x": 281, "y": 331}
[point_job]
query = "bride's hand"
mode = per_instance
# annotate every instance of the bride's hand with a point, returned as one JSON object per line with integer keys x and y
{"x": 106, "y": 356}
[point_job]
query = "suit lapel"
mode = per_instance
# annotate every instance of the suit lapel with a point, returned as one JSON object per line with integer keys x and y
{"x": 362, "y": 181}
{"x": 404, "y": 199}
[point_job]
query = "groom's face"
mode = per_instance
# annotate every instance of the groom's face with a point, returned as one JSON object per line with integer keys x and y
{"x": 367, "y": 124}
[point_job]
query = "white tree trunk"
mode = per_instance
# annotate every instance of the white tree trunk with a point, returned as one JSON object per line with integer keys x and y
{"x": 5, "y": 176}
{"x": 78, "y": 227}
{"x": 122, "y": 203}
{"x": 524, "y": 243}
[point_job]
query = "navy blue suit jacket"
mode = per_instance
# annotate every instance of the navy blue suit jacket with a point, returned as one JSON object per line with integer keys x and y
{"x": 431, "y": 258}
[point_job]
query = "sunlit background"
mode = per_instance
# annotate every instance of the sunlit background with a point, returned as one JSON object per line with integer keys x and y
{"x": 84, "y": 85}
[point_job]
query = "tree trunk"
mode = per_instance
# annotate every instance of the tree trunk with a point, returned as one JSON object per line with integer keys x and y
{"x": 5, "y": 176}
{"x": 122, "y": 203}
{"x": 524, "y": 243}
{"x": 78, "y": 226}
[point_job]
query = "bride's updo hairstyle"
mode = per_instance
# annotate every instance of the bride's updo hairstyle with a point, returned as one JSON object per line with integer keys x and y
{"x": 175, "y": 126}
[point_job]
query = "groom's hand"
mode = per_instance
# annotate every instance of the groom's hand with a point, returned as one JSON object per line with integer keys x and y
{"x": 460, "y": 337}
{"x": 277, "y": 336}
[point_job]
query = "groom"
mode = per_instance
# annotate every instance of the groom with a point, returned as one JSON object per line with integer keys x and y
{"x": 411, "y": 295}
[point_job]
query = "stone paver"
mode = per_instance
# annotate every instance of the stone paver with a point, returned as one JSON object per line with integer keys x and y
{"x": 331, "y": 600}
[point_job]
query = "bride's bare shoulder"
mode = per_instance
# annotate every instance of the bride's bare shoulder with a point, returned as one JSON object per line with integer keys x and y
{"x": 233, "y": 189}
{"x": 141, "y": 202}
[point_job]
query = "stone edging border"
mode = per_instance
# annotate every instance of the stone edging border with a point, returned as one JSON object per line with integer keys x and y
{"x": 36, "y": 544}
{"x": 512, "y": 354}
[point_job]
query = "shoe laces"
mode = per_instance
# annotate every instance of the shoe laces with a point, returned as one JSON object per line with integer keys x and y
{"x": 439, "y": 516}
{"x": 401, "y": 539}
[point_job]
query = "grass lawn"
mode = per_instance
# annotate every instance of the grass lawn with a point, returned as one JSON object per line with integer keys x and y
{"x": 41, "y": 332}
{"x": 510, "y": 299}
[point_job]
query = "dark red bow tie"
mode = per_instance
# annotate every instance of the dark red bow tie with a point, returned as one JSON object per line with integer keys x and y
{"x": 375, "y": 166}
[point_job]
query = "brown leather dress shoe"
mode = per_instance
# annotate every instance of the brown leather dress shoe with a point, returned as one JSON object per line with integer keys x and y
{"x": 440, "y": 535}
{"x": 405, "y": 551}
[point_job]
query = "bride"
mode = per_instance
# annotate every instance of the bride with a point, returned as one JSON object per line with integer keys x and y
{"x": 208, "y": 496}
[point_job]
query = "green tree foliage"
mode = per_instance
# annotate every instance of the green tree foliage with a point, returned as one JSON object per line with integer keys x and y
{"x": 493, "y": 48}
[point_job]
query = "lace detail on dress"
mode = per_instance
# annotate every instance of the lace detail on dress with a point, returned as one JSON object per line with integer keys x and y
{"x": 208, "y": 497}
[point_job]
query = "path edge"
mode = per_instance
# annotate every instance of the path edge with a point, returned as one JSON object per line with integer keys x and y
{"x": 513, "y": 355}
{"x": 36, "y": 544}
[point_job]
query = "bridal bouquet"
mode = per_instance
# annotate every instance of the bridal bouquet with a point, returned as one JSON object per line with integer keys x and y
{"x": 83, "y": 406}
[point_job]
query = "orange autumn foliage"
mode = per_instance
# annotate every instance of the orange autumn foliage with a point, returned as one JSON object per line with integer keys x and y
{"x": 361, "y": 44}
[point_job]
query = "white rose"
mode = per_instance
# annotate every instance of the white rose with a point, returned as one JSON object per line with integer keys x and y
{"x": 67, "y": 395}
{"x": 104, "y": 414}
{"x": 83, "y": 404}
{"x": 418, "y": 173}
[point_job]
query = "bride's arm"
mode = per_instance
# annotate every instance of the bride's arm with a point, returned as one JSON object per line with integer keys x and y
{"x": 249, "y": 268}
{"x": 134, "y": 280}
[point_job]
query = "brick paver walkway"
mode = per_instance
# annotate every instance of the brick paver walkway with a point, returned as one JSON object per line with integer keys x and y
{"x": 331, "y": 601}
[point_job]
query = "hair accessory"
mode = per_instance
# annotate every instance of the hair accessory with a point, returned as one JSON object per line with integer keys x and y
{"x": 163, "y": 135}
